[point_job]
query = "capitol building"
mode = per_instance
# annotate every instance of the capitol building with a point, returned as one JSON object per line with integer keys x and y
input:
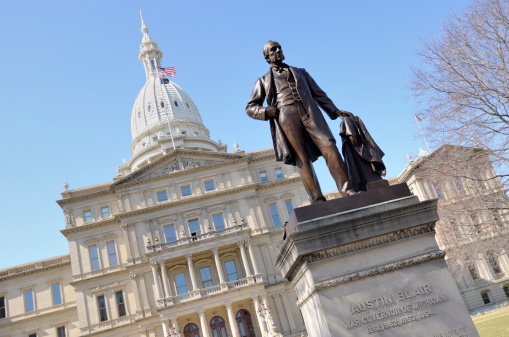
{"x": 183, "y": 241}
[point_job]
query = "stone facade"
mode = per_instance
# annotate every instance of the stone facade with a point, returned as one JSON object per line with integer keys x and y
{"x": 484, "y": 284}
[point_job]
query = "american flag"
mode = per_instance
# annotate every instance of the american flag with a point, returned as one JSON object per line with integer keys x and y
{"x": 167, "y": 71}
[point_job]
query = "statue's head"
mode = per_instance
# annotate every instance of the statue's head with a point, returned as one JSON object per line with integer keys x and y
{"x": 273, "y": 53}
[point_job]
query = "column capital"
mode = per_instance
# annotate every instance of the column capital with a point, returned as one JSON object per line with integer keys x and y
{"x": 154, "y": 264}
{"x": 125, "y": 226}
{"x": 189, "y": 257}
{"x": 135, "y": 276}
{"x": 215, "y": 250}
{"x": 241, "y": 243}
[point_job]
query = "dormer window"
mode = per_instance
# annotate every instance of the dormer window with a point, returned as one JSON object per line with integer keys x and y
{"x": 162, "y": 104}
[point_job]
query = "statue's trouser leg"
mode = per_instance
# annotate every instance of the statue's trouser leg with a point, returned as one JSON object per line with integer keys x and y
{"x": 330, "y": 153}
{"x": 290, "y": 122}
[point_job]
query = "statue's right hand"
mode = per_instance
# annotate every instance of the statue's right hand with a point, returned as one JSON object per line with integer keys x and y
{"x": 271, "y": 111}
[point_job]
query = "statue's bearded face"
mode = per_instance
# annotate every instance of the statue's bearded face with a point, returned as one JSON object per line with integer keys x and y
{"x": 274, "y": 53}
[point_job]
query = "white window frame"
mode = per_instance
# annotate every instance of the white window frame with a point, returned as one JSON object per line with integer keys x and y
{"x": 182, "y": 187}
{"x": 109, "y": 255}
{"x": 276, "y": 169}
{"x": 102, "y": 213}
{"x": 260, "y": 175}
{"x": 209, "y": 181}
{"x": 31, "y": 288}
{"x": 90, "y": 257}
{"x": 52, "y": 293}
{"x": 165, "y": 193}
{"x": 88, "y": 210}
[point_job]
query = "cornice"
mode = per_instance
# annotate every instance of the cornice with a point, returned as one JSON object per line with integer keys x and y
{"x": 181, "y": 173}
{"x": 92, "y": 195}
{"x": 72, "y": 230}
{"x": 279, "y": 182}
{"x": 187, "y": 200}
{"x": 370, "y": 272}
{"x": 172, "y": 155}
{"x": 35, "y": 267}
{"x": 361, "y": 245}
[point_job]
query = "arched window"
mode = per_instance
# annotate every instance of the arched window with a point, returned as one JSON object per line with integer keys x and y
{"x": 191, "y": 330}
{"x": 485, "y": 294}
{"x": 162, "y": 104}
{"x": 176, "y": 103}
{"x": 218, "y": 327}
{"x": 245, "y": 323}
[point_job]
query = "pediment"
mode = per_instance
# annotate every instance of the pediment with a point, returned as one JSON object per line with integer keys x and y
{"x": 177, "y": 163}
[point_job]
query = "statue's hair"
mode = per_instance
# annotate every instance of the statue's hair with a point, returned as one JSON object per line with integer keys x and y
{"x": 266, "y": 49}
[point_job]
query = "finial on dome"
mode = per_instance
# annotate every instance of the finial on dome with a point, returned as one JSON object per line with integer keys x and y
{"x": 144, "y": 28}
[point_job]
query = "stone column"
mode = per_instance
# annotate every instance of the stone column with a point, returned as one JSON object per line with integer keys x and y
{"x": 288, "y": 312}
{"x": 232, "y": 320}
{"x": 218, "y": 265}
{"x": 244, "y": 258}
{"x": 157, "y": 283}
{"x": 252, "y": 257}
{"x": 165, "y": 327}
{"x": 137, "y": 299}
{"x": 191, "y": 271}
{"x": 203, "y": 324}
{"x": 260, "y": 318}
{"x": 166, "y": 281}
{"x": 125, "y": 235}
{"x": 173, "y": 324}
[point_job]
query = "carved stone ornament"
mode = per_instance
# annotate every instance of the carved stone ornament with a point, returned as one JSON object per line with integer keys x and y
{"x": 382, "y": 269}
{"x": 135, "y": 276}
{"x": 69, "y": 221}
{"x": 176, "y": 165}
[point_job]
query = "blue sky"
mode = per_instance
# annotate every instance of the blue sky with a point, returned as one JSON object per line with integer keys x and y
{"x": 69, "y": 75}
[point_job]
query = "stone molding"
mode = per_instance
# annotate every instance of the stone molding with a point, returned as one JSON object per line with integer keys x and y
{"x": 361, "y": 245}
{"x": 35, "y": 267}
{"x": 378, "y": 270}
{"x": 106, "y": 287}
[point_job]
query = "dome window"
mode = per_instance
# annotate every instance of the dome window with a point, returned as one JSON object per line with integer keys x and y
{"x": 176, "y": 104}
{"x": 149, "y": 108}
{"x": 187, "y": 104}
{"x": 139, "y": 114}
{"x": 162, "y": 104}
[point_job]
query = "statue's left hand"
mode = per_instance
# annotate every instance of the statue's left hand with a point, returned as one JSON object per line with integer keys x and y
{"x": 344, "y": 113}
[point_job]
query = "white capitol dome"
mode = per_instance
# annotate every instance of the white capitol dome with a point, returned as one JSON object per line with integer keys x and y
{"x": 163, "y": 117}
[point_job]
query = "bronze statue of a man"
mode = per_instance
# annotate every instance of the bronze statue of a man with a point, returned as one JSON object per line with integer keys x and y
{"x": 299, "y": 131}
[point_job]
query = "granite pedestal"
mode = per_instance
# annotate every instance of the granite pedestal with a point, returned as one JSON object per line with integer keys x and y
{"x": 369, "y": 265}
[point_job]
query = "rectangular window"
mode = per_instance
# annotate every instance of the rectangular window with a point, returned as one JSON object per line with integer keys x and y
{"x": 169, "y": 232}
{"x": 56, "y": 294}
{"x": 112, "y": 253}
{"x": 28, "y": 296}
{"x": 485, "y": 298}
{"x": 94, "y": 257}
{"x": 105, "y": 212}
{"x": 194, "y": 227}
{"x": 119, "y": 295}
{"x": 61, "y": 331}
{"x": 2, "y": 307}
{"x": 209, "y": 185}
{"x": 263, "y": 176}
{"x": 87, "y": 215}
{"x": 32, "y": 335}
{"x": 438, "y": 190}
{"x": 218, "y": 221}
{"x": 289, "y": 206}
{"x": 185, "y": 190}
{"x": 231, "y": 270}
{"x": 275, "y": 214}
{"x": 101, "y": 304}
{"x": 279, "y": 173}
{"x": 206, "y": 277}
{"x": 506, "y": 292}
{"x": 180, "y": 282}
{"x": 162, "y": 196}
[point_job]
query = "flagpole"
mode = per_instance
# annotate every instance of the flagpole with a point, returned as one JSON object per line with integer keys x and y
{"x": 417, "y": 119}
{"x": 161, "y": 83}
